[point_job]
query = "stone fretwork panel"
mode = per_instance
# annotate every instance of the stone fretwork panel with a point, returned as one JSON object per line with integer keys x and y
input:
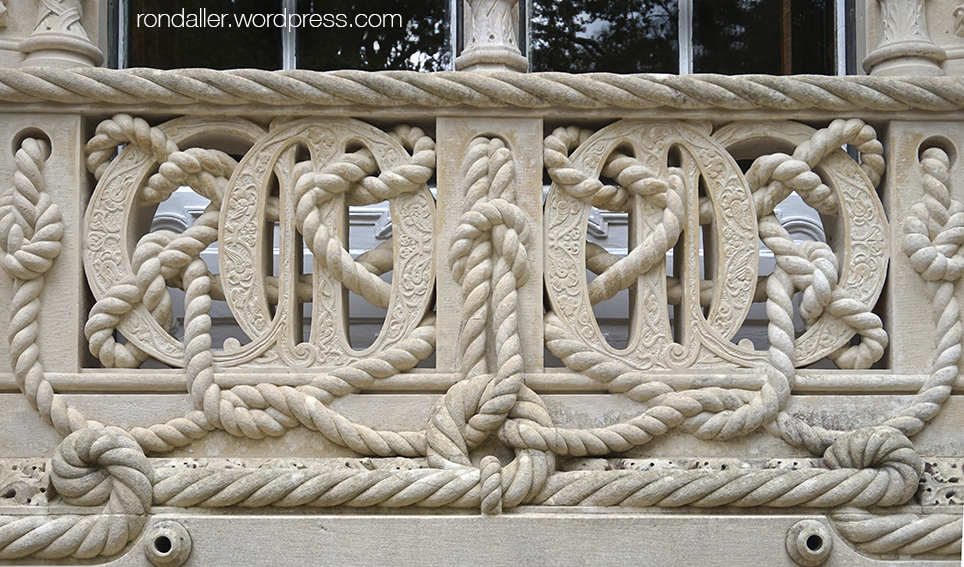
{"x": 492, "y": 414}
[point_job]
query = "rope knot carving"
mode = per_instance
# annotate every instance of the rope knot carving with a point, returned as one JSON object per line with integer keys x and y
{"x": 91, "y": 467}
{"x": 934, "y": 232}
{"x": 97, "y": 466}
{"x": 29, "y": 219}
{"x": 886, "y": 449}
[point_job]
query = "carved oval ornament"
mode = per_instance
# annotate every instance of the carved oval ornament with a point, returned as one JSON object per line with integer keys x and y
{"x": 115, "y": 221}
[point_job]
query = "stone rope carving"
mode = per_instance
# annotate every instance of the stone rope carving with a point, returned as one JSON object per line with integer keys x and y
{"x": 704, "y": 412}
{"x": 33, "y": 225}
{"x": 190, "y": 87}
{"x": 875, "y": 466}
{"x": 93, "y": 466}
{"x": 489, "y": 260}
{"x": 906, "y": 534}
{"x": 848, "y": 481}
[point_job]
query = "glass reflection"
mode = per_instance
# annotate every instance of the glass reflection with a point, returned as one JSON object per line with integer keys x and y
{"x": 224, "y": 46}
{"x": 618, "y": 36}
{"x": 774, "y": 37}
{"x": 375, "y": 34}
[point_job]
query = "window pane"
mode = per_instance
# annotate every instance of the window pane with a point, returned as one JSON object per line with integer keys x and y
{"x": 373, "y": 35}
{"x": 814, "y": 39}
{"x": 763, "y": 36}
{"x": 618, "y": 36}
{"x": 171, "y": 44}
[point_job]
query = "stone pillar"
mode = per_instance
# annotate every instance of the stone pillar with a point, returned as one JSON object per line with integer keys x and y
{"x": 63, "y": 303}
{"x": 523, "y": 138}
{"x": 905, "y": 47}
{"x": 491, "y": 33}
{"x": 59, "y": 39}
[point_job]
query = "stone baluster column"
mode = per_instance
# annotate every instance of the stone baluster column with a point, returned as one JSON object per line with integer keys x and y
{"x": 491, "y": 34}
{"x": 59, "y": 39}
{"x": 905, "y": 48}
{"x": 491, "y": 44}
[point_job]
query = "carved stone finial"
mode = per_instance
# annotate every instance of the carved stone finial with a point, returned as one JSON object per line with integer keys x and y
{"x": 491, "y": 31}
{"x": 59, "y": 40}
{"x": 905, "y": 48}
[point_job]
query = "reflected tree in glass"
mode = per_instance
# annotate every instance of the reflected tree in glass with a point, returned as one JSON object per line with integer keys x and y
{"x": 418, "y": 44}
{"x": 618, "y": 36}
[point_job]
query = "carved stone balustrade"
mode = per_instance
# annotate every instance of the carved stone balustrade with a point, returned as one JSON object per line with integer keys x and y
{"x": 185, "y": 389}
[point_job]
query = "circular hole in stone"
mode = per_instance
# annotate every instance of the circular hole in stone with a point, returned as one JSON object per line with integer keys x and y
{"x": 162, "y": 544}
{"x": 814, "y": 543}
{"x": 939, "y": 142}
{"x": 38, "y": 135}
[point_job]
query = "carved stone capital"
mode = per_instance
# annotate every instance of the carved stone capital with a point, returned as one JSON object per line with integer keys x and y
{"x": 905, "y": 48}
{"x": 59, "y": 39}
{"x": 491, "y": 31}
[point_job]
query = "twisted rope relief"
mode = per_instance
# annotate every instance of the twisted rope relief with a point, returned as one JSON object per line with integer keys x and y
{"x": 193, "y": 87}
{"x": 489, "y": 259}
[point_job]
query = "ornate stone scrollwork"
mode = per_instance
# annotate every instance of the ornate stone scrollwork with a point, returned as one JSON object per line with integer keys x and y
{"x": 836, "y": 305}
{"x": 492, "y": 440}
{"x": 313, "y": 194}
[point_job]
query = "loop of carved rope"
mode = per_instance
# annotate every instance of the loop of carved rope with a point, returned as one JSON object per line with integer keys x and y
{"x": 268, "y": 410}
{"x": 932, "y": 241}
{"x": 32, "y": 222}
{"x": 634, "y": 179}
{"x": 352, "y": 174}
{"x": 92, "y": 467}
{"x": 203, "y": 170}
{"x": 810, "y": 268}
{"x": 721, "y": 424}
{"x": 813, "y": 268}
{"x": 158, "y": 257}
{"x": 773, "y": 177}
{"x": 199, "y": 168}
{"x": 488, "y": 259}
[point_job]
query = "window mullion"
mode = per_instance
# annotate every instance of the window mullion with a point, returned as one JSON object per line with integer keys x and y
{"x": 289, "y": 39}
{"x": 685, "y": 37}
{"x": 840, "y": 35}
{"x": 456, "y": 25}
{"x": 123, "y": 11}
